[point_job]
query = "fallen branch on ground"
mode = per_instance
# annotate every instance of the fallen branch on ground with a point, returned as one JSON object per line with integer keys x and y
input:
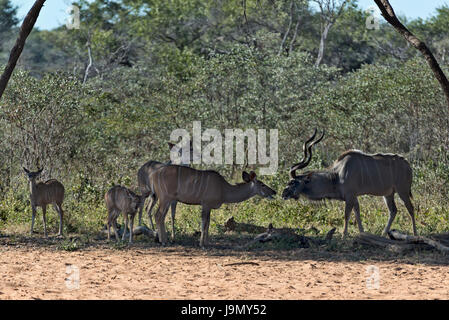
{"x": 369, "y": 239}
{"x": 290, "y": 235}
{"x": 137, "y": 231}
{"x": 400, "y": 242}
{"x": 396, "y": 235}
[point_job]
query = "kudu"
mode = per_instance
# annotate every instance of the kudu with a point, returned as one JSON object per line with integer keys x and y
{"x": 354, "y": 173}
{"x": 42, "y": 194}
{"x": 173, "y": 183}
{"x": 122, "y": 200}
{"x": 146, "y": 189}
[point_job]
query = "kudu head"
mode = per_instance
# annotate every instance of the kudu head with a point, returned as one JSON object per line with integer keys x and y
{"x": 32, "y": 175}
{"x": 300, "y": 183}
{"x": 136, "y": 200}
{"x": 260, "y": 188}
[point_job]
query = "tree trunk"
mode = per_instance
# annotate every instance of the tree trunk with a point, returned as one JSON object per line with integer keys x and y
{"x": 324, "y": 34}
{"x": 27, "y": 26}
{"x": 292, "y": 43}
{"x": 288, "y": 29}
{"x": 390, "y": 16}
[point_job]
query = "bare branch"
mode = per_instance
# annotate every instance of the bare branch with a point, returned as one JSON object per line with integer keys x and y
{"x": 389, "y": 15}
{"x": 25, "y": 30}
{"x": 292, "y": 42}
{"x": 330, "y": 11}
{"x": 288, "y": 29}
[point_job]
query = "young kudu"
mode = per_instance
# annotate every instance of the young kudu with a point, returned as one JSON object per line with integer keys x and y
{"x": 209, "y": 189}
{"x": 42, "y": 194}
{"x": 354, "y": 173}
{"x": 146, "y": 186}
{"x": 122, "y": 200}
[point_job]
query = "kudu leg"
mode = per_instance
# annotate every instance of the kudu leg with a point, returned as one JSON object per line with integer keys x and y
{"x": 44, "y": 220}
{"x": 125, "y": 217}
{"x": 131, "y": 228}
{"x": 58, "y": 209}
{"x": 153, "y": 203}
{"x": 173, "y": 212}
{"x": 405, "y": 197}
{"x": 117, "y": 237}
{"x": 109, "y": 230}
{"x": 205, "y": 220}
{"x": 33, "y": 217}
{"x": 140, "y": 213}
{"x": 389, "y": 201}
{"x": 357, "y": 215}
{"x": 348, "y": 208}
{"x": 160, "y": 222}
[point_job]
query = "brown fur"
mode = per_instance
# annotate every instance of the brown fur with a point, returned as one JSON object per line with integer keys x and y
{"x": 197, "y": 187}
{"x": 146, "y": 187}
{"x": 353, "y": 174}
{"x": 121, "y": 200}
{"x": 43, "y": 194}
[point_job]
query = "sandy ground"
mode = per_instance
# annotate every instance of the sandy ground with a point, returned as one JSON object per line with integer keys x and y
{"x": 28, "y": 272}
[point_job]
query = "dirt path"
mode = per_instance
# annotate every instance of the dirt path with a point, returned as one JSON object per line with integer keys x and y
{"x": 154, "y": 273}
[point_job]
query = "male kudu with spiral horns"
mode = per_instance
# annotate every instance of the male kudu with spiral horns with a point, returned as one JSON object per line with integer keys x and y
{"x": 354, "y": 173}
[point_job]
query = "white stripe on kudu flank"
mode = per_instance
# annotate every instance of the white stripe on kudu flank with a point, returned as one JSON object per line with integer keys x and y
{"x": 184, "y": 184}
{"x": 379, "y": 175}
{"x": 193, "y": 189}
{"x": 179, "y": 180}
{"x": 162, "y": 181}
{"x": 207, "y": 183}
{"x": 198, "y": 190}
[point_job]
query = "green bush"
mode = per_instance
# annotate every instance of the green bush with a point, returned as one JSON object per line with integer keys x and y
{"x": 93, "y": 136}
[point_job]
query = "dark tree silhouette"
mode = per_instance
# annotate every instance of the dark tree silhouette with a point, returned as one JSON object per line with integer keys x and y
{"x": 25, "y": 30}
{"x": 390, "y": 16}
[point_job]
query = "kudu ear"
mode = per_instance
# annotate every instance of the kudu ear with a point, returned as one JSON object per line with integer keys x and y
{"x": 40, "y": 170}
{"x": 252, "y": 176}
{"x": 307, "y": 178}
{"x": 246, "y": 177}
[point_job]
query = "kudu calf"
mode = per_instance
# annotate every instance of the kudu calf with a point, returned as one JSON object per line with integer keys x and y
{"x": 146, "y": 186}
{"x": 354, "y": 173}
{"x": 208, "y": 189}
{"x": 42, "y": 194}
{"x": 122, "y": 200}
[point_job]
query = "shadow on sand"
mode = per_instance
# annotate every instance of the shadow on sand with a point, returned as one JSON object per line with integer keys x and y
{"x": 288, "y": 245}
